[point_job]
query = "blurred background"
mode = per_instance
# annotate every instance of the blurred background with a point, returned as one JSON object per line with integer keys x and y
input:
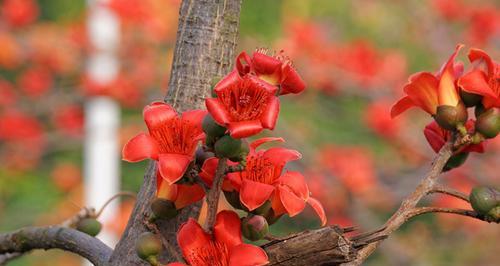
{"x": 74, "y": 76}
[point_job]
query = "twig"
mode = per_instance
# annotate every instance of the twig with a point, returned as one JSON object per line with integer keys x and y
{"x": 117, "y": 195}
{"x": 213, "y": 194}
{"x": 424, "y": 210}
{"x": 202, "y": 183}
{"x": 171, "y": 249}
{"x": 449, "y": 191}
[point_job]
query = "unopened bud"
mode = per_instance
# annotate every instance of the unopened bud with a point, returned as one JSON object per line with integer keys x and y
{"x": 227, "y": 147}
{"x": 89, "y": 226}
{"x": 488, "y": 123}
{"x": 148, "y": 246}
{"x": 494, "y": 214}
{"x": 483, "y": 199}
{"x": 448, "y": 117}
{"x": 244, "y": 150}
{"x": 254, "y": 227}
{"x": 163, "y": 208}
{"x": 211, "y": 128}
{"x": 470, "y": 99}
{"x": 455, "y": 161}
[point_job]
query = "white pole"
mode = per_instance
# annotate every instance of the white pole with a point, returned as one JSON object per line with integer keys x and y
{"x": 102, "y": 118}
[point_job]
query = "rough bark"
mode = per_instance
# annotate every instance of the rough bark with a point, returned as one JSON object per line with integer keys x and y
{"x": 27, "y": 239}
{"x": 206, "y": 40}
{"x": 325, "y": 246}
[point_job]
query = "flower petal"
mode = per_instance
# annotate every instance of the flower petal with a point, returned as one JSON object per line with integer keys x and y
{"x": 229, "y": 80}
{"x": 276, "y": 204}
{"x": 292, "y": 82}
{"x": 447, "y": 92}
{"x": 157, "y": 113}
{"x": 254, "y": 194}
{"x": 435, "y": 135}
{"x": 164, "y": 190}
{"x": 318, "y": 208}
{"x": 279, "y": 156}
{"x": 191, "y": 237}
{"x": 256, "y": 143}
{"x": 139, "y": 148}
{"x": 244, "y": 129}
{"x": 194, "y": 118}
{"x": 188, "y": 194}
{"x": 172, "y": 166}
{"x": 227, "y": 228}
{"x": 235, "y": 179}
{"x": 400, "y": 106}
{"x": 247, "y": 255}
{"x": 243, "y": 63}
{"x": 476, "y": 82}
{"x": 208, "y": 170}
{"x": 297, "y": 183}
{"x": 482, "y": 61}
{"x": 270, "y": 115}
{"x": 217, "y": 110}
{"x": 264, "y": 64}
{"x": 423, "y": 91}
{"x": 292, "y": 203}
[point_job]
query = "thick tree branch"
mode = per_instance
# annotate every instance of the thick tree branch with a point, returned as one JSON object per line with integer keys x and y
{"x": 29, "y": 238}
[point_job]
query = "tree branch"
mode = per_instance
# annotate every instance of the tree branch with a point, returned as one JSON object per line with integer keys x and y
{"x": 449, "y": 191}
{"x": 424, "y": 210}
{"x": 29, "y": 238}
{"x": 214, "y": 193}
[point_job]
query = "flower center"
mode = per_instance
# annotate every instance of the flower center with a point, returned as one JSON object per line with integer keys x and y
{"x": 245, "y": 101}
{"x": 176, "y": 136}
{"x": 212, "y": 254}
{"x": 261, "y": 170}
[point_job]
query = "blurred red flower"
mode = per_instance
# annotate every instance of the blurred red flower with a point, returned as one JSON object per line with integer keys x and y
{"x": 18, "y": 13}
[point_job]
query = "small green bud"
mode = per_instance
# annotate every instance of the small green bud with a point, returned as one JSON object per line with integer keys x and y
{"x": 470, "y": 99}
{"x": 227, "y": 147}
{"x": 163, "y": 208}
{"x": 483, "y": 199}
{"x": 448, "y": 117}
{"x": 455, "y": 161}
{"x": 244, "y": 150}
{"x": 254, "y": 227}
{"x": 89, "y": 226}
{"x": 148, "y": 245}
{"x": 488, "y": 123}
{"x": 211, "y": 128}
{"x": 494, "y": 214}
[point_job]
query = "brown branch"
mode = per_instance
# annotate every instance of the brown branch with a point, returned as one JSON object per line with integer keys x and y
{"x": 50, "y": 237}
{"x": 117, "y": 195}
{"x": 424, "y": 210}
{"x": 449, "y": 191}
{"x": 214, "y": 194}
{"x": 407, "y": 206}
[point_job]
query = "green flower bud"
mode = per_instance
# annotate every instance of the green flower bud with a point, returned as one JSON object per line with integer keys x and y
{"x": 494, "y": 215}
{"x": 211, "y": 128}
{"x": 488, "y": 123}
{"x": 163, "y": 209}
{"x": 254, "y": 227}
{"x": 448, "y": 117}
{"x": 227, "y": 147}
{"x": 89, "y": 226}
{"x": 244, "y": 150}
{"x": 483, "y": 199}
{"x": 470, "y": 99}
{"x": 455, "y": 161}
{"x": 148, "y": 245}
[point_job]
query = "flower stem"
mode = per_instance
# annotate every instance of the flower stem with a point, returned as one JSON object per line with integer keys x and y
{"x": 214, "y": 193}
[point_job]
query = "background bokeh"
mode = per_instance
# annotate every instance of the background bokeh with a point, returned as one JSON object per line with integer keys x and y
{"x": 355, "y": 56}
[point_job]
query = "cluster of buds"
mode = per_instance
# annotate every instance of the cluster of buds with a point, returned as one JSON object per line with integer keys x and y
{"x": 448, "y": 94}
{"x": 245, "y": 102}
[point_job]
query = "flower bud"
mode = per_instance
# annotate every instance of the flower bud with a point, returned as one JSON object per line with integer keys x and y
{"x": 163, "y": 208}
{"x": 202, "y": 155}
{"x": 254, "y": 227}
{"x": 211, "y": 128}
{"x": 89, "y": 226}
{"x": 488, "y": 123}
{"x": 148, "y": 246}
{"x": 494, "y": 214}
{"x": 233, "y": 198}
{"x": 227, "y": 147}
{"x": 470, "y": 99}
{"x": 244, "y": 150}
{"x": 483, "y": 199}
{"x": 448, "y": 117}
{"x": 455, "y": 161}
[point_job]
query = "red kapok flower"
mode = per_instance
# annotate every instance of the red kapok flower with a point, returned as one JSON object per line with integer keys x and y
{"x": 225, "y": 248}
{"x": 19, "y": 13}
{"x": 276, "y": 70}
{"x": 180, "y": 194}
{"x": 172, "y": 139}
{"x": 483, "y": 79}
{"x": 428, "y": 91}
{"x": 263, "y": 180}
{"x": 437, "y": 137}
{"x": 244, "y": 105}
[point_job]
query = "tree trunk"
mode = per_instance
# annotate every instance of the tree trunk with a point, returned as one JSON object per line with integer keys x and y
{"x": 206, "y": 40}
